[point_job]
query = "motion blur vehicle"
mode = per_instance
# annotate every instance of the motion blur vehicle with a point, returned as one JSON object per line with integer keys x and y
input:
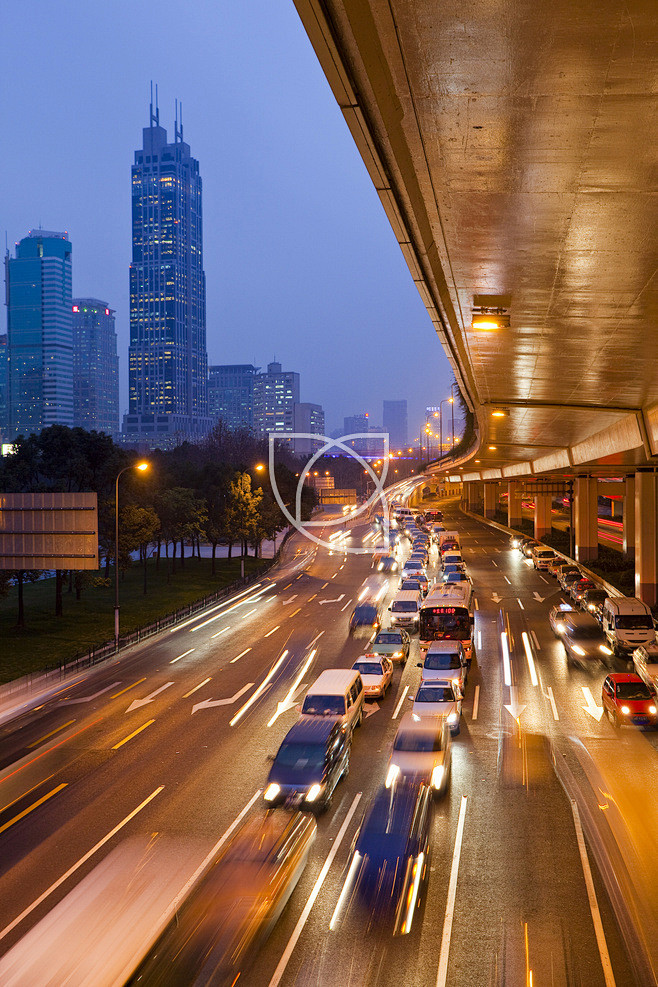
{"x": 556, "y": 617}
{"x": 583, "y": 640}
{"x": 388, "y": 563}
{"x": 628, "y": 701}
{"x": 445, "y": 660}
{"x": 439, "y": 698}
{"x": 313, "y": 757}
{"x": 578, "y": 589}
{"x": 337, "y": 694}
{"x": 366, "y": 619}
{"x": 567, "y": 578}
{"x": 645, "y": 664}
{"x": 392, "y": 643}
{"x": 528, "y": 547}
{"x": 627, "y": 623}
{"x": 216, "y": 933}
{"x": 389, "y": 867}
{"x": 376, "y": 672}
{"x": 593, "y": 600}
{"x": 542, "y": 557}
{"x": 421, "y": 752}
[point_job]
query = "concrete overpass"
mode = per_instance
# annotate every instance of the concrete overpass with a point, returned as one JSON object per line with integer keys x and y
{"x": 513, "y": 146}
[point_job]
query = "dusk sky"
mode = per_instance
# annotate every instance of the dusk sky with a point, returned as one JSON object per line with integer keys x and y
{"x": 300, "y": 260}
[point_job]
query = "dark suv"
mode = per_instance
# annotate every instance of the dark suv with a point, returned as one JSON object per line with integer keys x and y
{"x": 313, "y": 757}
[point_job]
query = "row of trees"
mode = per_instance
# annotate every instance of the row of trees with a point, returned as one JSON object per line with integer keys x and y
{"x": 190, "y": 495}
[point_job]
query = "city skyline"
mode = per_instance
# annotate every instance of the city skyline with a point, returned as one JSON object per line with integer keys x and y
{"x": 300, "y": 258}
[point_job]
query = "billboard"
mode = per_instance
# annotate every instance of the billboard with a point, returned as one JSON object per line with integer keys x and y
{"x": 48, "y": 531}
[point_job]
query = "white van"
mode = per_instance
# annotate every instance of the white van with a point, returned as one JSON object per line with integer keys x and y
{"x": 542, "y": 556}
{"x": 627, "y": 623}
{"x": 405, "y": 609}
{"x": 336, "y": 693}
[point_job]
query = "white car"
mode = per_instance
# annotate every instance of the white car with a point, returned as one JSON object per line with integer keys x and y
{"x": 421, "y": 750}
{"x": 645, "y": 661}
{"x": 440, "y": 698}
{"x": 556, "y": 617}
{"x": 376, "y": 672}
{"x": 444, "y": 660}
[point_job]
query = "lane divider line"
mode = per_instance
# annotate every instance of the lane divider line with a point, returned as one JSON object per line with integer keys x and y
{"x": 298, "y": 610}
{"x": 311, "y": 597}
{"x": 529, "y": 655}
{"x": 476, "y": 703}
{"x": 247, "y": 614}
{"x": 593, "y": 903}
{"x": 51, "y": 734}
{"x": 303, "y": 918}
{"x": 519, "y": 603}
{"x": 535, "y": 640}
{"x": 79, "y": 863}
{"x": 128, "y": 688}
{"x": 223, "y": 631}
{"x": 272, "y": 631}
{"x": 401, "y": 700}
{"x": 442, "y": 973}
{"x": 28, "y": 792}
{"x": 551, "y": 699}
{"x": 197, "y": 687}
{"x": 241, "y": 655}
{"x": 346, "y": 606}
{"x": 133, "y": 734}
{"x": 507, "y": 580}
{"x": 31, "y": 808}
{"x": 184, "y": 655}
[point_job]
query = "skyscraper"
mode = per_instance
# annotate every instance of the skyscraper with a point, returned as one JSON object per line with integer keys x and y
{"x": 231, "y": 394}
{"x": 308, "y": 418}
{"x": 40, "y": 335}
{"x": 275, "y": 395}
{"x": 95, "y": 366}
{"x": 168, "y": 362}
{"x": 395, "y": 423}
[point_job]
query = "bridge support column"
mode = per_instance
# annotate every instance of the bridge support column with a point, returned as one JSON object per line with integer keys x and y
{"x": 491, "y": 497}
{"x": 646, "y": 537}
{"x": 543, "y": 518}
{"x": 585, "y": 515}
{"x": 629, "y": 517}
{"x": 514, "y": 502}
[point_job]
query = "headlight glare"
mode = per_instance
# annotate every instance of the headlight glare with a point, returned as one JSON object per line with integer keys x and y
{"x": 625, "y": 710}
{"x": 271, "y": 792}
{"x": 437, "y": 776}
{"x": 313, "y": 793}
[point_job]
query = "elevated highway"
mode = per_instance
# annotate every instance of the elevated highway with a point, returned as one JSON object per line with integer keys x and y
{"x": 513, "y": 148}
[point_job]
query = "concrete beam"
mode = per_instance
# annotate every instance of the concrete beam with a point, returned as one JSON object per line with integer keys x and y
{"x": 646, "y": 554}
{"x": 543, "y": 517}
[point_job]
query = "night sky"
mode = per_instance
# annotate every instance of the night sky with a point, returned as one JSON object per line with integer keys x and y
{"x": 301, "y": 263}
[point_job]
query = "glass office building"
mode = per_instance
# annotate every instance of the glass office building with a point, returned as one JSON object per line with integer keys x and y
{"x": 39, "y": 331}
{"x": 231, "y": 394}
{"x": 95, "y": 366}
{"x": 168, "y": 363}
{"x": 275, "y": 395}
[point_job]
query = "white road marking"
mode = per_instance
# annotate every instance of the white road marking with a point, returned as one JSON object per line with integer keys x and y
{"x": 272, "y": 631}
{"x": 184, "y": 655}
{"x": 494, "y": 563}
{"x": 535, "y": 640}
{"x": 219, "y": 606}
{"x": 594, "y": 711}
{"x": 593, "y": 903}
{"x": 519, "y": 603}
{"x": 530, "y": 657}
{"x": 223, "y": 631}
{"x": 291, "y": 697}
{"x": 303, "y": 918}
{"x": 259, "y": 691}
{"x": 76, "y": 866}
{"x": 507, "y": 580}
{"x": 241, "y": 655}
{"x": 337, "y": 600}
{"x": 507, "y": 670}
{"x": 88, "y": 699}
{"x": 479, "y": 640}
{"x": 248, "y": 613}
{"x": 346, "y": 606}
{"x": 399, "y": 705}
{"x": 286, "y": 602}
{"x": 217, "y": 616}
{"x": 476, "y": 703}
{"x": 138, "y": 703}
{"x": 442, "y": 973}
{"x": 197, "y": 687}
{"x": 551, "y": 699}
{"x": 210, "y": 703}
{"x": 475, "y": 603}
{"x": 543, "y": 578}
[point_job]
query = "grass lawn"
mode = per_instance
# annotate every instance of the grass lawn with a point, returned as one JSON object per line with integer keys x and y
{"x": 89, "y": 622}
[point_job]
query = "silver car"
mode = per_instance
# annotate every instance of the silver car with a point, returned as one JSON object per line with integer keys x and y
{"x": 422, "y": 751}
{"x": 583, "y": 640}
{"x": 440, "y": 698}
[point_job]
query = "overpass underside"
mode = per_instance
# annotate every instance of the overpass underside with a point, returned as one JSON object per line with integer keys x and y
{"x": 513, "y": 147}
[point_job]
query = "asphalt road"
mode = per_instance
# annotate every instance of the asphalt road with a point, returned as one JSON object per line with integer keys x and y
{"x": 174, "y": 738}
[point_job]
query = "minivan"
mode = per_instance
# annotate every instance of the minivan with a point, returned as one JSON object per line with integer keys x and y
{"x": 405, "y": 609}
{"x": 313, "y": 757}
{"x": 337, "y": 693}
{"x": 627, "y": 623}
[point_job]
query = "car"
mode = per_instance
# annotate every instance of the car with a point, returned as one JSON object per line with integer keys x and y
{"x": 421, "y": 751}
{"x": 628, "y": 701}
{"x": 389, "y": 866}
{"x": 432, "y": 514}
{"x": 419, "y": 556}
{"x": 529, "y": 544}
{"x": 440, "y": 698}
{"x": 566, "y": 567}
{"x": 411, "y": 584}
{"x": 555, "y": 566}
{"x": 542, "y": 557}
{"x": 556, "y": 617}
{"x": 393, "y": 643}
{"x": 415, "y": 573}
{"x": 451, "y": 556}
{"x": 583, "y": 640}
{"x": 645, "y": 664}
{"x": 567, "y": 577}
{"x": 515, "y": 541}
{"x": 366, "y": 618}
{"x": 579, "y": 587}
{"x": 388, "y": 563}
{"x": 313, "y": 757}
{"x": 376, "y": 672}
{"x": 445, "y": 660}
{"x": 593, "y": 600}
{"x": 451, "y": 568}
{"x": 457, "y": 577}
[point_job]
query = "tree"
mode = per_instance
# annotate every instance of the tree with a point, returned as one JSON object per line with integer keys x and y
{"x": 242, "y": 516}
{"x": 138, "y": 527}
{"x": 182, "y": 515}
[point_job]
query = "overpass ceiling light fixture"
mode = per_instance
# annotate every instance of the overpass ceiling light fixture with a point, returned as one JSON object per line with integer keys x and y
{"x": 489, "y": 319}
{"x": 492, "y": 448}
{"x": 500, "y": 413}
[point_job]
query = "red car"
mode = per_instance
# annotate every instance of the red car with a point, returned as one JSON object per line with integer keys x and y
{"x": 629, "y": 700}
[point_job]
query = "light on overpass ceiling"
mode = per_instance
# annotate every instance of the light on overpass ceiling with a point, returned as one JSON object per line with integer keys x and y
{"x": 492, "y": 448}
{"x": 490, "y": 319}
{"x": 499, "y": 413}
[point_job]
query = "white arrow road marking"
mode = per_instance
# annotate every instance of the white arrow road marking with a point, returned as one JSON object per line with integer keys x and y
{"x": 370, "y": 708}
{"x": 208, "y": 703}
{"x": 337, "y": 600}
{"x": 286, "y": 602}
{"x": 514, "y": 707}
{"x": 265, "y": 684}
{"x": 148, "y": 699}
{"x": 496, "y": 598}
{"x": 88, "y": 699}
{"x": 591, "y": 708}
{"x": 551, "y": 698}
{"x": 538, "y": 598}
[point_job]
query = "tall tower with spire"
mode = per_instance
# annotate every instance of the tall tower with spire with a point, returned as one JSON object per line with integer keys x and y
{"x": 168, "y": 361}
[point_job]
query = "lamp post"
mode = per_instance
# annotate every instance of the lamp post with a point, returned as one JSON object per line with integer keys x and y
{"x": 441, "y": 403}
{"x": 138, "y": 466}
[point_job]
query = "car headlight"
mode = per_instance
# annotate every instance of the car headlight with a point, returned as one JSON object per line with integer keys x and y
{"x": 625, "y": 710}
{"x": 559, "y": 628}
{"x": 392, "y": 776}
{"x": 313, "y": 793}
{"x": 271, "y": 792}
{"x": 453, "y": 717}
{"x": 380, "y": 567}
{"x": 590, "y": 606}
{"x": 437, "y": 776}
{"x": 652, "y": 710}
{"x": 578, "y": 650}
{"x": 604, "y": 650}
{"x": 398, "y": 654}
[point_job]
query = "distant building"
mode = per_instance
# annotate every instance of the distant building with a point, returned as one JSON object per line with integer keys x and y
{"x": 395, "y": 423}
{"x": 360, "y": 424}
{"x": 40, "y": 334}
{"x": 355, "y": 423}
{"x": 231, "y": 394}
{"x": 276, "y": 393}
{"x": 4, "y": 405}
{"x": 95, "y": 366}
{"x": 168, "y": 363}
{"x": 308, "y": 418}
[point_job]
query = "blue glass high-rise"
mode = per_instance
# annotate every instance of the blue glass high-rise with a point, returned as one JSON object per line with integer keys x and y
{"x": 168, "y": 362}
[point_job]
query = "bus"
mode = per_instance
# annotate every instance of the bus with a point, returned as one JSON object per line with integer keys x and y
{"x": 447, "y": 615}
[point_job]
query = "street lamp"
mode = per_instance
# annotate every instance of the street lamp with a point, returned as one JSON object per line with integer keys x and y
{"x": 141, "y": 467}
